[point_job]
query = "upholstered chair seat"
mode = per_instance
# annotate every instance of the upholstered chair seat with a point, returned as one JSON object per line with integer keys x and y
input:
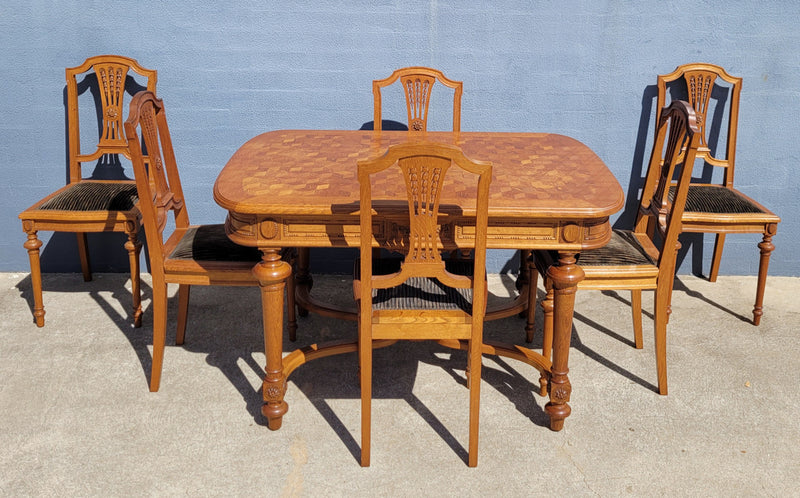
{"x": 94, "y": 196}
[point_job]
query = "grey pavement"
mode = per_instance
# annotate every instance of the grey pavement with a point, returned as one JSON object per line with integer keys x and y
{"x": 76, "y": 417}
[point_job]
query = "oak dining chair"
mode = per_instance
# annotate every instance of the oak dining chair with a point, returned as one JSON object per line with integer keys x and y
{"x": 96, "y": 203}
{"x": 421, "y": 295}
{"x": 642, "y": 258}
{"x": 417, "y": 83}
{"x": 189, "y": 254}
{"x": 720, "y": 208}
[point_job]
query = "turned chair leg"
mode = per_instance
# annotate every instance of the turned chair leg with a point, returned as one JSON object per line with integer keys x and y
{"x": 134, "y": 248}
{"x": 547, "y": 333}
{"x": 32, "y": 245}
{"x": 533, "y": 282}
{"x": 547, "y": 327}
{"x": 302, "y": 275}
{"x": 291, "y": 310}
{"x": 766, "y": 247}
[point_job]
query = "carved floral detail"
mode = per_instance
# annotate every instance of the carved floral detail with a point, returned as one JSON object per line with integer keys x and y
{"x": 273, "y": 393}
{"x": 560, "y": 394}
{"x": 560, "y": 390}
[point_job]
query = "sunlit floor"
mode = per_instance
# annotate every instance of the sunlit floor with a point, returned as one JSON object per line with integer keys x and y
{"x": 76, "y": 417}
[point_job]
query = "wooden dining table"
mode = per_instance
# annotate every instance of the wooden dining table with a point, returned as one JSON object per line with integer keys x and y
{"x": 299, "y": 189}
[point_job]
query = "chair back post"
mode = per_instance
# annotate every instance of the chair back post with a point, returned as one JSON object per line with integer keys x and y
{"x": 700, "y": 79}
{"x": 675, "y": 149}
{"x": 417, "y": 83}
{"x": 367, "y": 239}
{"x": 157, "y": 181}
{"x": 111, "y": 72}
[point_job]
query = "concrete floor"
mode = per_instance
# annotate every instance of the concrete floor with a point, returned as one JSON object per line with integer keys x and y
{"x": 76, "y": 417}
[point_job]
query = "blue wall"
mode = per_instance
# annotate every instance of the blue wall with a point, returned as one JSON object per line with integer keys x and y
{"x": 230, "y": 70}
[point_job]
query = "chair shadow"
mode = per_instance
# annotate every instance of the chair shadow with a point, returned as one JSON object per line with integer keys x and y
{"x": 640, "y": 159}
{"x": 680, "y": 286}
{"x": 599, "y": 358}
{"x": 395, "y": 368}
{"x": 579, "y": 345}
{"x": 386, "y": 124}
{"x": 75, "y": 283}
{"x": 615, "y": 295}
{"x": 138, "y": 338}
{"x": 331, "y": 378}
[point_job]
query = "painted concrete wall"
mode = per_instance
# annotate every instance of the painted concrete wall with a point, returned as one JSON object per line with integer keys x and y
{"x": 230, "y": 70}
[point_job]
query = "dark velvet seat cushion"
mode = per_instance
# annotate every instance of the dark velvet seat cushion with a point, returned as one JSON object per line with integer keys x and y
{"x": 210, "y": 243}
{"x": 623, "y": 249}
{"x": 420, "y": 293}
{"x": 94, "y": 196}
{"x": 711, "y": 199}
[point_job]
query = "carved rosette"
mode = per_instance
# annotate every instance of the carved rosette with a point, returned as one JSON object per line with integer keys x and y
{"x": 269, "y": 229}
{"x": 274, "y": 387}
{"x": 274, "y": 392}
{"x": 571, "y": 233}
{"x": 560, "y": 393}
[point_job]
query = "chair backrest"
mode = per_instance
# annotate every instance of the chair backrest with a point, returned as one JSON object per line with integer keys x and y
{"x": 157, "y": 180}
{"x": 700, "y": 81}
{"x": 417, "y": 83}
{"x": 675, "y": 149}
{"x": 111, "y": 72}
{"x": 423, "y": 166}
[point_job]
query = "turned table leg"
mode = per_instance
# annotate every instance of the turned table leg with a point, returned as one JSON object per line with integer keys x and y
{"x": 564, "y": 277}
{"x": 272, "y": 273}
